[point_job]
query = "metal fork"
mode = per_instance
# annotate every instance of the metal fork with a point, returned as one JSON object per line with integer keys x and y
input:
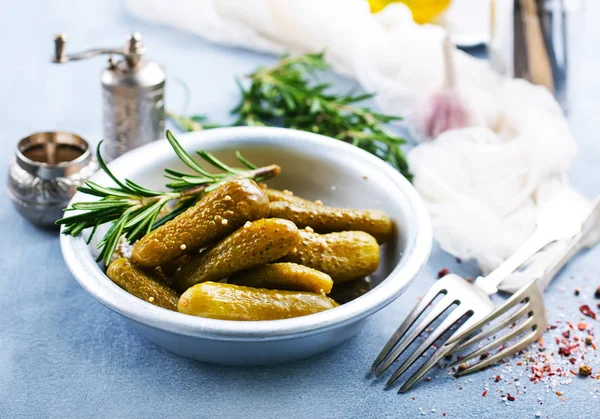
{"x": 528, "y": 302}
{"x": 472, "y": 300}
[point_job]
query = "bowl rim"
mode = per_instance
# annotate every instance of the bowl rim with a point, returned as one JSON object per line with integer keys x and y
{"x": 416, "y": 253}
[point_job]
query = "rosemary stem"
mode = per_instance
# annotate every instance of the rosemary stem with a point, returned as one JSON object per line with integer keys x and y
{"x": 259, "y": 173}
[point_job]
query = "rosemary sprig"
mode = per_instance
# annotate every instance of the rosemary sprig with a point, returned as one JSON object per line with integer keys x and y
{"x": 134, "y": 210}
{"x": 288, "y": 94}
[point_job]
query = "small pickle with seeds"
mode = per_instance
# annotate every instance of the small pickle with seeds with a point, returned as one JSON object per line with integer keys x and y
{"x": 132, "y": 279}
{"x": 216, "y": 215}
{"x": 324, "y": 219}
{"x": 254, "y": 244}
{"x": 345, "y": 256}
{"x": 233, "y": 302}
{"x": 286, "y": 196}
{"x": 284, "y": 276}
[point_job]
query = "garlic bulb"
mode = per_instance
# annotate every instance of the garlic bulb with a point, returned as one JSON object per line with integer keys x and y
{"x": 443, "y": 109}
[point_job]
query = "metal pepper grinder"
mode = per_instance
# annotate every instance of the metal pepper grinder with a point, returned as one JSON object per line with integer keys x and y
{"x": 133, "y": 94}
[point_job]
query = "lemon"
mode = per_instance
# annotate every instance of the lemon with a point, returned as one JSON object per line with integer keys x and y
{"x": 423, "y": 10}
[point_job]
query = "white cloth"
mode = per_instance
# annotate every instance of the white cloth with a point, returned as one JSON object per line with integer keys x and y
{"x": 479, "y": 183}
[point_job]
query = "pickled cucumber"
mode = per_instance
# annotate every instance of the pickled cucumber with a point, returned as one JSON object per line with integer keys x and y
{"x": 286, "y": 196}
{"x": 345, "y": 256}
{"x": 234, "y": 302}
{"x": 254, "y": 244}
{"x": 212, "y": 218}
{"x": 324, "y": 219}
{"x": 132, "y": 279}
{"x": 284, "y": 276}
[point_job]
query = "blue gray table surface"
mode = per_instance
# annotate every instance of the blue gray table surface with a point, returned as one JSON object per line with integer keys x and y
{"x": 64, "y": 355}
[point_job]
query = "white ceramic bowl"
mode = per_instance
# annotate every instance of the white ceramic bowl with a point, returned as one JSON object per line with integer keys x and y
{"x": 313, "y": 166}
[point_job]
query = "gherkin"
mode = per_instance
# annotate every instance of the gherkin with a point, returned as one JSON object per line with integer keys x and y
{"x": 254, "y": 244}
{"x": 345, "y": 256}
{"x": 284, "y": 276}
{"x": 233, "y": 302}
{"x": 215, "y": 216}
{"x": 324, "y": 219}
{"x": 143, "y": 285}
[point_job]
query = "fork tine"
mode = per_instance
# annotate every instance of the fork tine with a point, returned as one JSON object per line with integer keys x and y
{"x": 416, "y": 312}
{"x": 452, "y": 318}
{"x": 441, "y": 352}
{"x": 406, "y": 341}
{"x": 515, "y": 299}
{"x": 437, "y": 356}
{"x": 534, "y": 335}
{"x": 527, "y": 324}
{"x": 488, "y": 332}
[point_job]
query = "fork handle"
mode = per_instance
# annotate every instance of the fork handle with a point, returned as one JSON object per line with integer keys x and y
{"x": 570, "y": 249}
{"x": 587, "y": 237}
{"x": 536, "y": 242}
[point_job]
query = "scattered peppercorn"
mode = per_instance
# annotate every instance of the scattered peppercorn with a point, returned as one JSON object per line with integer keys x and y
{"x": 597, "y": 293}
{"x": 585, "y": 309}
{"x": 484, "y": 356}
{"x": 443, "y": 272}
{"x": 585, "y": 370}
{"x": 564, "y": 351}
{"x": 589, "y": 340}
{"x": 497, "y": 378}
{"x": 462, "y": 367}
{"x": 577, "y": 292}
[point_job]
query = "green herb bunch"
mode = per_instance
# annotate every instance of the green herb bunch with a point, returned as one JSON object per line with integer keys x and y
{"x": 134, "y": 210}
{"x": 288, "y": 94}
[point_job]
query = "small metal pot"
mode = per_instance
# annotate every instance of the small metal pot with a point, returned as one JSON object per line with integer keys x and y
{"x": 45, "y": 172}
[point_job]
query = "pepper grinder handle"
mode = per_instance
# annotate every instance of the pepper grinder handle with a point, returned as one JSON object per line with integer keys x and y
{"x": 60, "y": 57}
